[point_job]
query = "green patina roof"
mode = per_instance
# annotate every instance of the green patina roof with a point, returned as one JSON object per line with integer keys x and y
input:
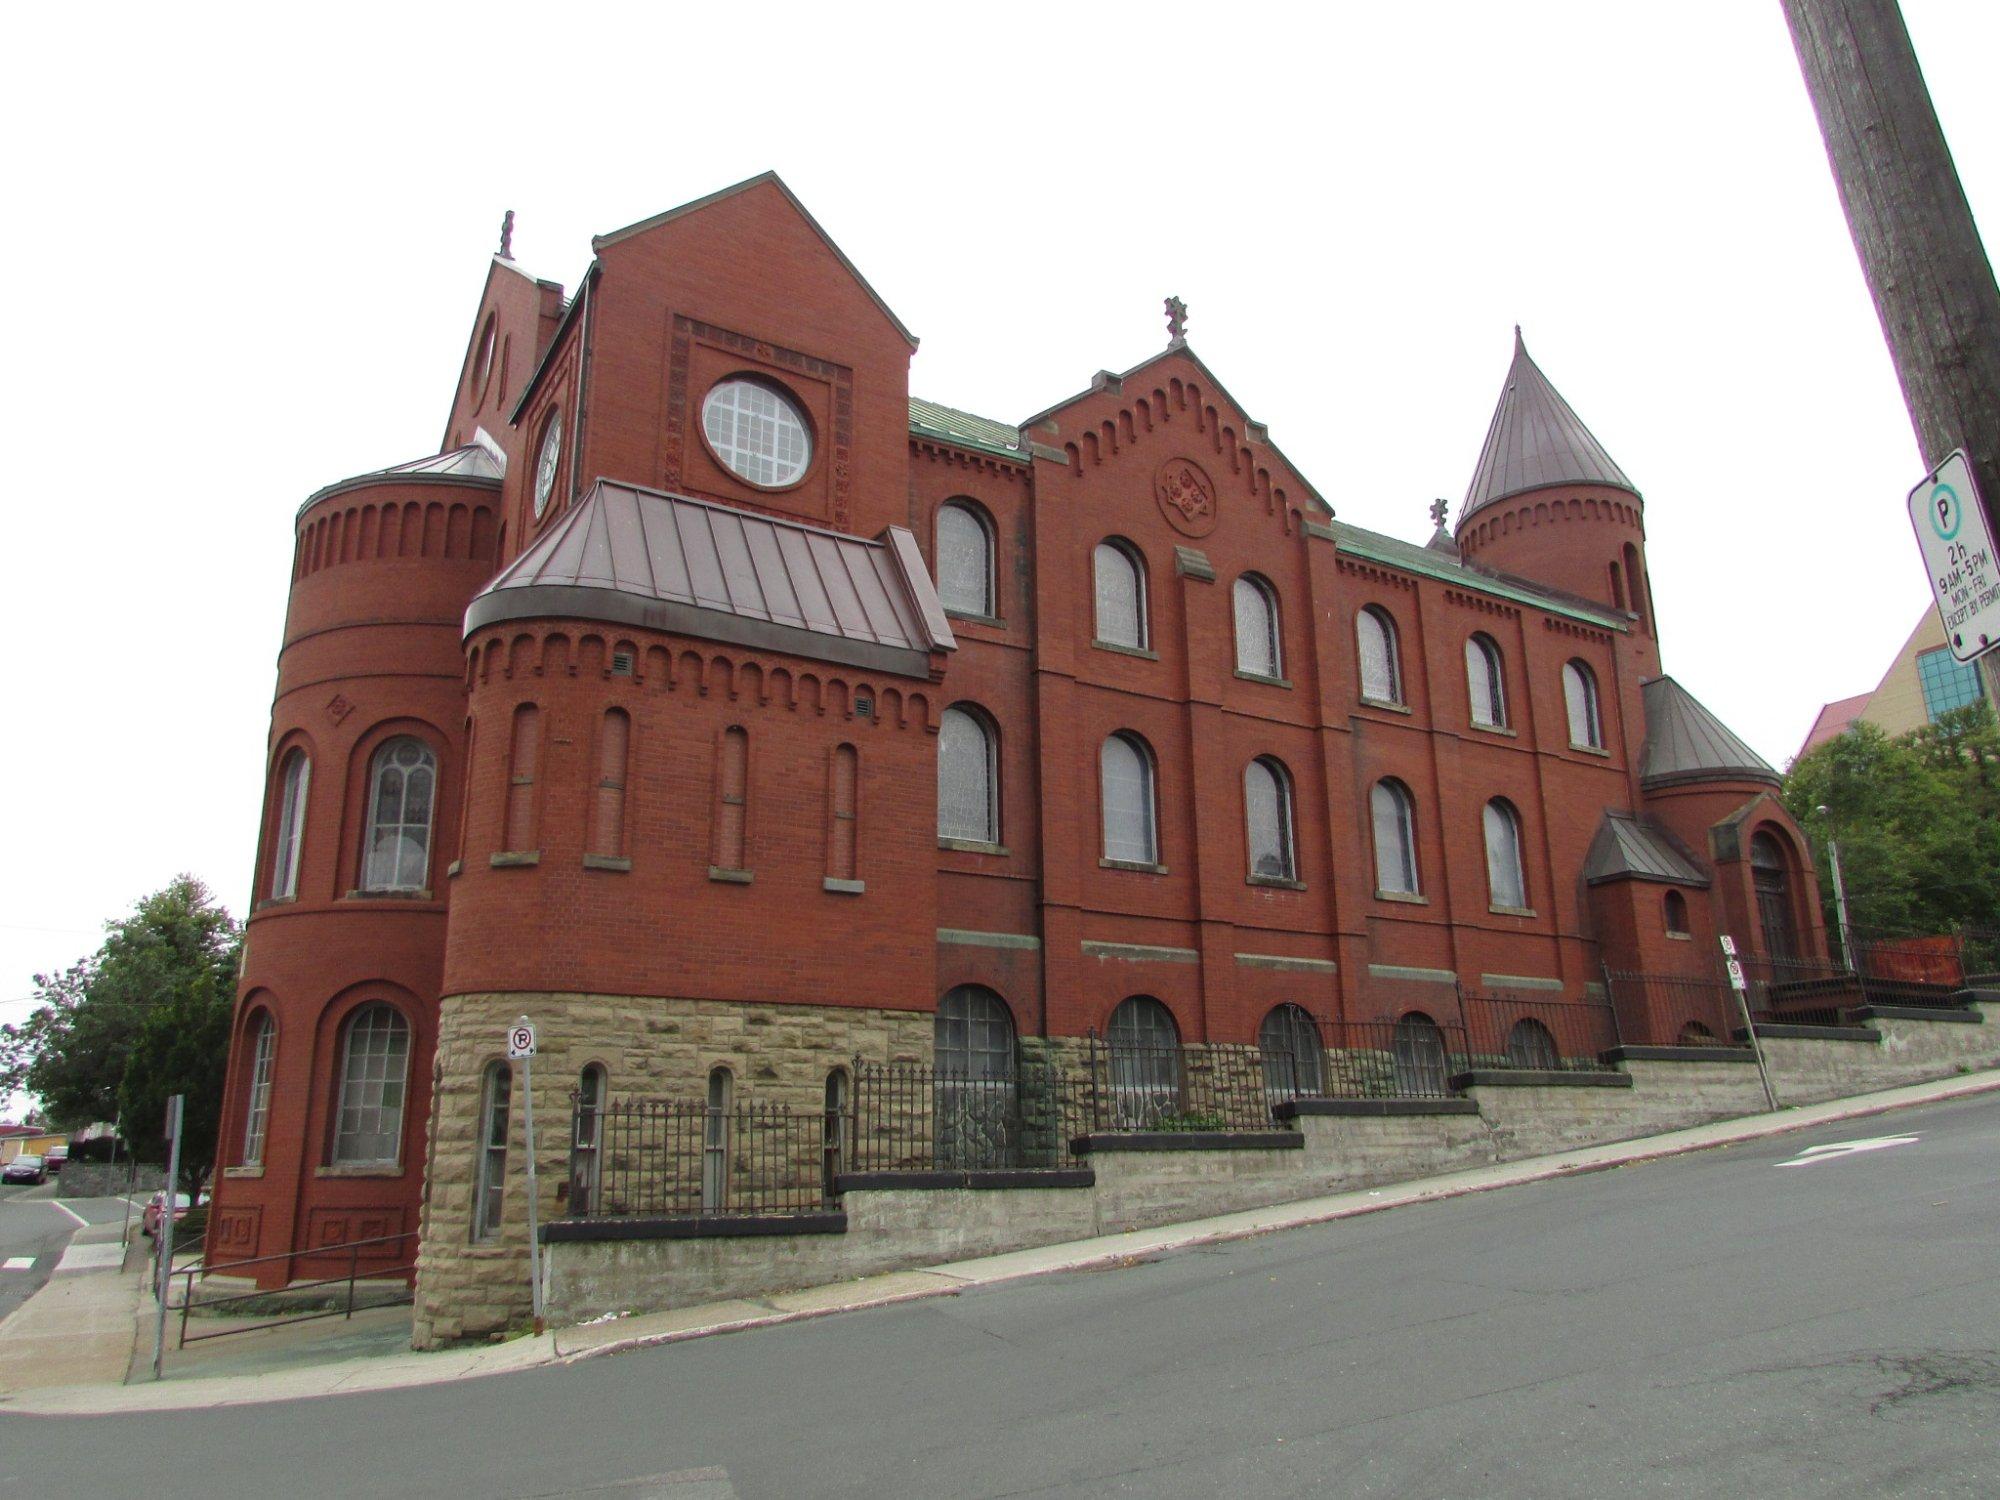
{"x": 1412, "y": 557}
{"x": 929, "y": 419}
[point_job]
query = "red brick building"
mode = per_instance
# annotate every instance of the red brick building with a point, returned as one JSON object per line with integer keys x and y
{"x": 723, "y": 708}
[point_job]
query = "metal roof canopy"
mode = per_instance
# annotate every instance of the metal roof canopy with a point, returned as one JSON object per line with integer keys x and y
{"x": 657, "y": 561}
{"x": 1686, "y": 743}
{"x": 1629, "y": 847}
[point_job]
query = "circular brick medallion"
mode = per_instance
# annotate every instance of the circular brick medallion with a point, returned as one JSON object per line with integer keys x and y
{"x": 1186, "y": 495}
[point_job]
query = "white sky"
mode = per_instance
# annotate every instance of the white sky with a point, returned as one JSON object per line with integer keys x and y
{"x": 243, "y": 250}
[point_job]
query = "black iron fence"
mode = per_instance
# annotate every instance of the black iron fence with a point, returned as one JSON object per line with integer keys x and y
{"x": 1684, "y": 1010}
{"x": 1525, "y": 1033}
{"x": 1979, "y": 957}
{"x": 1140, "y": 1086}
{"x": 911, "y": 1117}
{"x": 1801, "y": 991}
{"x": 1407, "y": 1059}
{"x": 677, "y": 1158}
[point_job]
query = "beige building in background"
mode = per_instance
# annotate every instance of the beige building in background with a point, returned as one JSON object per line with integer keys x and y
{"x": 1921, "y": 683}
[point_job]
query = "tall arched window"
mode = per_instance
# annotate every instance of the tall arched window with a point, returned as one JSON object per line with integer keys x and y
{"x": 843, "y": 815}
{"x": 1257, "y": 647}
{"x": 1531, "y": 1046}
{"x": 1395, "y": 838}
{"x": 976, "y": 1117}
{"x": 607, "y": 813}
{"x": 523, "y": 753}
{"x": 973, "y": 1036}
{"x": 833, "y": 1131}
{"x": 1504, "y": 880}
{"x": 968, "y": 801}
{"x": 1126, "y": 781}
{"x": 1634, "y": 582}
{"x": 1289, "y": 1044}
{"x": 257, "y": 1109}
{"x": 490, "y": 1187}
{"x": 715, "y": 1140}
{"x": 1145, "y": 1058}
{"x": 965, "y": 558}
{"x": 1677, "y": 914}
{"x": 1418, "y": 1058}
{"x": 1486, "y": 682}
{"x": 295, "y": 780}
{"x": 1267, "y": 811}
{"x": 374, "y": 1074}
{"x": 1120, "y": 580}
{"x": 732, "y": 800}
{"x": 1381, "y": 664}
{"x": 1586, "y": 721}
{"x": 1770, "y": 879}
{"x": 586, "y": 1140}
{"x": 402, "y": 791}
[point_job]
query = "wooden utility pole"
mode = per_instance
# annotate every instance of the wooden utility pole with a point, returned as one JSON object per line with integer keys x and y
{"x": 1920, "y": 250}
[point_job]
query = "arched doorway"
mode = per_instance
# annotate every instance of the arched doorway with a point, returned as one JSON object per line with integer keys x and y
{"x": 1770, "y": 879}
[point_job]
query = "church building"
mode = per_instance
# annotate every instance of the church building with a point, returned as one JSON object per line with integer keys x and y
{"x": 733, "y": 714}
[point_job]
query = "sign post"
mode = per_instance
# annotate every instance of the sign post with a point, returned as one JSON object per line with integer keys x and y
{"x": 1957, "y": 543}
{"x": 521, "y": 1044}
{"x": 163, "y": 1234}
{"x": 1741, "y": 989}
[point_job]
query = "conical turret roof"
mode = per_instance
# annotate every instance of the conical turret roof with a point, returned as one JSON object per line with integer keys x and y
{"x": 1686, "y": 742}
{"x": 1535, "y": 441}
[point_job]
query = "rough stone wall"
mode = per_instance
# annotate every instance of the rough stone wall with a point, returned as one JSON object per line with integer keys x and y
{"x": 1806, "y": 1070}
{"x": 1676, "y": 1095}
{"x": 1532, "y": 1120}
{"x": 648, "y": 1046}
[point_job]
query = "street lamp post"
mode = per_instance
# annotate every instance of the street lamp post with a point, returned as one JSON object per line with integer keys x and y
{"x": 1839, "y": 894}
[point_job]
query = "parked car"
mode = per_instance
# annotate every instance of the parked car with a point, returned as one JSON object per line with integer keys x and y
{"x": 149, "y": 1221}
{"x": 25, "y": 1168}
{"x": 56, "y": 1160}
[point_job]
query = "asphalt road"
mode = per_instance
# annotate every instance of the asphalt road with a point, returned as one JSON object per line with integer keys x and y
{"x": 1714, "y": 1324}
{"x": 36, "y": 1229}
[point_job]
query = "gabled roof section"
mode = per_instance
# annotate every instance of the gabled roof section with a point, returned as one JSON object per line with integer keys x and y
{"x": 1534, "y": 441}
{"x": 948, "y": 424}
{"x": 657, "y": 561}
{"x": 1834, "y": 720}
{"x": 1686, "y": 743}
{"x": 1634, "y": 848}
{"x": 599, "y": 242}
{"x": 1433, "y": 562}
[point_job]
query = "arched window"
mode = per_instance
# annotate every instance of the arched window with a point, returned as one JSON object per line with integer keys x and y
{"x": 965, "y": 558}
{"x": 1126, "y": 780}
{"x": 586, "y": 1140}
{"x": 607, "y": 813}
{"x": 1770, "y": 878}
{"x": 523, "y": 754}
{"x": 1677, "y": 914}
{"x": 1418, "y": 1057}
{"x": 257, "y": 1110}
{"x": 1504, "y": 881}
{"x": 732, "y": 800}
{"x": 1289, "y": 1043}
{"x": 1257, "y": 648}
{"x": 976, "y": 1117}
{"x": 297, "y": 776}
{"x": 1633, "y": 581}
{"x": 1121, "y": 595}
{"x": 1530, "y": 1046}
{"x": 1395, "y": 838}
{"x": 1267, "y": 810}
{"x": 833, "y": 1132}
{"x": 715, "y": 1141}
{"x": 1586, "y": 721}
{"x": 403, "y": 787}
{"x": 843, "y": 815}
{"x": 374, "y": 1073}
{"x": 1381, "y": 662}
{"x": 968, "y": 804}
{"x": 1145, "y": 1048}
{"x": 1486, "y": 682}
{"x": 1694, "y": 1034}
{"x": 490, "y": 1188}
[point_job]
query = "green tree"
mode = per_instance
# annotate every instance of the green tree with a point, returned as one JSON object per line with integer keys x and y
{"x": 141, "y": 1011}
{"x": 1917, "y": 818}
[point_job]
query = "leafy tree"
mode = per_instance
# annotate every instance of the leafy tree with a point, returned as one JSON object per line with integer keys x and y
{"x": 1917, "y": 818}
{"x": 145, "y": 1016}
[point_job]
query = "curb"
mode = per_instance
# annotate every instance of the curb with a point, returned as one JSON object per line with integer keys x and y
{"x": 543, "y": 1350}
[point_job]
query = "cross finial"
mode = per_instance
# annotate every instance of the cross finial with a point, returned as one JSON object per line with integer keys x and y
{"x": 1176, "y": 320}
{"x": 1439, "y": 509}
{"x": 507, "y": 236}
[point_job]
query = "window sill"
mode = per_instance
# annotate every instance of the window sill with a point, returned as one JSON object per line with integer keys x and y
{"x": 270, "y": 901}
{"x": 617, "y": 863}
{"x": 422, "y": 895}
{"x": 1597, "y": 750}
{"x": 1681, "y": 937}
{"x": 246, "y": 1173}
{"x": 487, "y": 1250}
{"x": 1499, "y": 729}
{"x": 1138, "y": 865}
{"x": 974, "y": 617}
{"x": 1512, "y": 911}
{"x": 1138, "y": 651}
{"x": 972, "y": 846}
{"x": 843, "y": 887}
{"x": 375, "y": 1169}
{"x": 1275, "y": 882}
{"x": 1276, "y": 682}
{"x": 451, "y": 870}
{"x": 730, "y": 877}
{"x": 1408, "y": 898}
{"x": 1384, "y": 704}
{"x": 511, "y": 859}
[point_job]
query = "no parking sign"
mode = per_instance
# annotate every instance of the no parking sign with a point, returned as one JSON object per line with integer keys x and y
{"x": 520, "y": 1041}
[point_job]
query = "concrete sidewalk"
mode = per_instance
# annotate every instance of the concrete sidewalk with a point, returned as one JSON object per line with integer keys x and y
{"x": 79, "y": 1380}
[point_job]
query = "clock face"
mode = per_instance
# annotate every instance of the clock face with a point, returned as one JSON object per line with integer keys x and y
{"x": 545, "y": 466}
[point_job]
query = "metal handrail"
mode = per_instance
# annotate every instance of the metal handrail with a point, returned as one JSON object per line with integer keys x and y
{"x": 353, "y": 1249}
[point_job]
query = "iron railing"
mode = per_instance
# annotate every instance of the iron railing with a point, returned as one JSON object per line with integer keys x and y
{"x": 1527, "y": 1034}
{"x": 1407, "y": 1059}
{"x": 1164, "y": 1086}
{"x": 1680, "y": 1010}
{"x": 339, "y": 1305}
{"x": 1979, "y": 956}
{"x": 675, "y": 1158}
{"x": 1800, "y": 991}
{"x": 911, "y": 1117}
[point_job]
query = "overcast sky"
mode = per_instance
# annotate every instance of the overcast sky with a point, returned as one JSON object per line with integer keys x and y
{"x": 242, "y": 252}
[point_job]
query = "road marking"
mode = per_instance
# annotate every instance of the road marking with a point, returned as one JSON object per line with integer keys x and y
{"x": 58, "y": 1203}
{"x": 1836, "y": 1149}
{"x": 18, "y": 1263}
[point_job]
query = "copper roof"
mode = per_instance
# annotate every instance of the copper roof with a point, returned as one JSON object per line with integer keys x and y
{"x": 692, "y": 567}
{"x": 1685, "y": 742}
{"x": 1535, "y": 440}
{"x": 1635, "y": 848}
